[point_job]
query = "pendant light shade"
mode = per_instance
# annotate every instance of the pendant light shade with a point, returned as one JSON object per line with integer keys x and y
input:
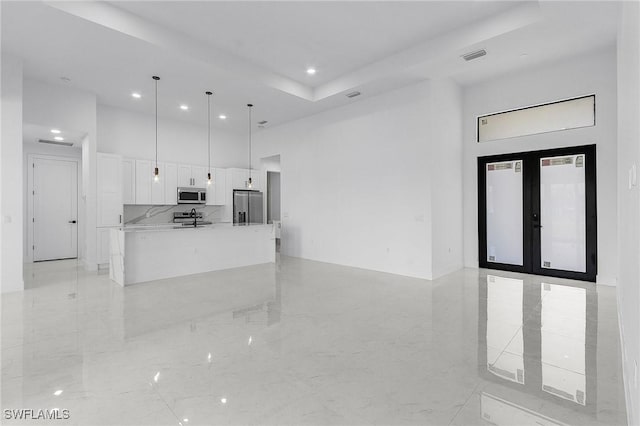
{"x": 249, "y": 183}
{"x": 209, "y": 135}
{"x": 155, "y": 171}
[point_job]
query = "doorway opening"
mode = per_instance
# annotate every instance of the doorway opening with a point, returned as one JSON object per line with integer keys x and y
{"x": 271, "y": 169}
{"x": 537, "y": 212}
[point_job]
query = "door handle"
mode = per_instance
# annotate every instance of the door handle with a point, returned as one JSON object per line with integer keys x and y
{"x": 72, "y": 221}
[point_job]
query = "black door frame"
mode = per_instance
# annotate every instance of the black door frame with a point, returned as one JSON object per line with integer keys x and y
{"x": 531, "y": 210}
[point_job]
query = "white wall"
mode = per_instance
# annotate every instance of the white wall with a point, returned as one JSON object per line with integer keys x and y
{"x": 67, "y": 108}
{"x": 11, "y": 215}
{"x": 446, "y": 177}
{"x": 629, "y": 201}
{"x": 594, "y": 73}
{"x": 132, "y": 134}
{"x": 356, "y": 181}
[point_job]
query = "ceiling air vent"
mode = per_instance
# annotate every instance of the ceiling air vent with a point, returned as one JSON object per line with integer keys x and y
{"x": 55, "y": 142}
{"x": 474, "y": 55}
{"x": 353, "y": 94}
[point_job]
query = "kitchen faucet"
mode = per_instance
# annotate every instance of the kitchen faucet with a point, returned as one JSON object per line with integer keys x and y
{"x": 195, "y": 217}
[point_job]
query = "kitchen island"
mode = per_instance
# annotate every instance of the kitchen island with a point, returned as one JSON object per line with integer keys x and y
{"x": 140, "y": 254}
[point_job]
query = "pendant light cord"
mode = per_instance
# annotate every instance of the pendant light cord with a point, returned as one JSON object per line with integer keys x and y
{"x": 209, "y": 129}
{"x": 156, "y": 79}
{"x": 250, "y": 106}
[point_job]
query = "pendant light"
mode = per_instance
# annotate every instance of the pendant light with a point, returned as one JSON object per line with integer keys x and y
{"x": 155, "y": 172}
{"x": 249, "y": 183}
{"x": 209, "y": 135}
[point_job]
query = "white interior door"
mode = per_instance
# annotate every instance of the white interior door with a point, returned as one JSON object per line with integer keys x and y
{"x": 563, "y": 235}
{"x": 55, "y": 209}
{"x": 504, "y": 212}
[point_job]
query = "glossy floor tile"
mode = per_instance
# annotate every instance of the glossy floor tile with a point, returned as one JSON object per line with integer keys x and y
{"x": 302, "y": 342}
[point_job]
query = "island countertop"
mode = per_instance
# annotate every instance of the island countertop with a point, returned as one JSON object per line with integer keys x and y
{"x": 146, "y": 253}
{"x": 178, "y": 227}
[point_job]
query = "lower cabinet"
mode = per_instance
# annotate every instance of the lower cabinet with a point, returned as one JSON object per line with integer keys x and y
{"x": 102, "y": 245}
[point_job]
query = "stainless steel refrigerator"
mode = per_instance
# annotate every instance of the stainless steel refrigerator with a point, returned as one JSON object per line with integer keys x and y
{"x": 247, "y": 207}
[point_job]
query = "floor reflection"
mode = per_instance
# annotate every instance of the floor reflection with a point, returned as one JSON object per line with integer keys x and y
{"x": 540, "y": 339}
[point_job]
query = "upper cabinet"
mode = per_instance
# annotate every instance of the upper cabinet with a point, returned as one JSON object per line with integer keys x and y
{"x": 184, "y": 176}
{"x": 128, "y": 181}
{"x": 158, "y": 186}
{"x": 144, "y": 177}
{"x": 138, "y": 185}
{"x": 109, "y": 186}
{"x": 192, "y": 176}
{"x": 240, "y": 179}
{"x": 216, "y": 192}
{"x": 171, "y": 184}
{"x": 150, "y": 191}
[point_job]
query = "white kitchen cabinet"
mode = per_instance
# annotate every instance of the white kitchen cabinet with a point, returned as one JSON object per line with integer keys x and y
{"x": 199, "y": 175}
{"x": 148, "y": 190}
{"x": 170, "y": 184}
{"x": 216, "y": 192}
{"x": 144, "y": 176}
{"x": 128, "y": 181}
{"x": 102, "y": 246}
{"x": 192, "y": 176}
{"x": 184, "y": 176}
{"x": 109, "y": 190}
{"x": 157, "y": 186}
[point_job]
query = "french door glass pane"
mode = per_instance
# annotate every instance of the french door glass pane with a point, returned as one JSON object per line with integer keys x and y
{"x": 504, "y": 212}
{"x": 563, "y": 334}
{"x": 505, "y": 342}
{"x": 562, "y": 213}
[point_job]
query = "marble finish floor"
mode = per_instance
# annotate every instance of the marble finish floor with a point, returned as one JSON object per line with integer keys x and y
{"x": 301, "y": 342}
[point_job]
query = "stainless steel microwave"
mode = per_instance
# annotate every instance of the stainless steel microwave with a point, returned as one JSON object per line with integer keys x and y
{"x": 192, "y": 195}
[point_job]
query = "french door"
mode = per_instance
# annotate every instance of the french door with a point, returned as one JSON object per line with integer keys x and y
{"x": 537, "y": 212}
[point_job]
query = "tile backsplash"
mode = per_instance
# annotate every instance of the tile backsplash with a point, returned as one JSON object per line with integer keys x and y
{"x": 149, "y": 215}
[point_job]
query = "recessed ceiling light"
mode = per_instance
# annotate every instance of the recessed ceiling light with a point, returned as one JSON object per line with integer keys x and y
{"x": 223, "y": 400}
{"x": 184, "y": 107}
{"x": 55, "y": 131}
{"x": 222, "y": 117}
{"x": 58, "y": 392}
{"x": 311, "y": 71}
{"x": 59, "y": 138}
{"x": 136, "y": 95}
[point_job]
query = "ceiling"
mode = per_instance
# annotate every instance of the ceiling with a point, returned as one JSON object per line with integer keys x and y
{"x": 33, "y": 133}
{"x": 258, "y": 52}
